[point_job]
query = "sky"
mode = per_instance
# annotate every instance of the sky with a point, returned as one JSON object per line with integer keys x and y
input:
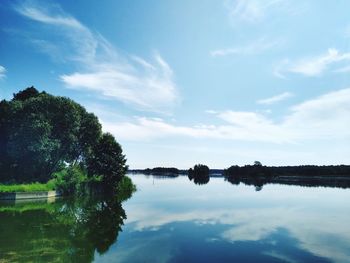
{"x": 218, "y": 82}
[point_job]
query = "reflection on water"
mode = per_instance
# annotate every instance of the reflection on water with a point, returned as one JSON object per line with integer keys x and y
{"x": 174, "y": 220}
{"x": 64, "y": 230}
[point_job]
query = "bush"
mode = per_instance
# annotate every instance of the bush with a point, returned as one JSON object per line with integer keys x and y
{"x": 71, "y": 179}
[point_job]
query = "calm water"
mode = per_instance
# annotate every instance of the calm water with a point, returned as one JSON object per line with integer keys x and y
{"x": 174, "y": 220}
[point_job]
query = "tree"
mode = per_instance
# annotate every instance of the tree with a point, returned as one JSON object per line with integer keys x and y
{"x": 41, "y": 133}
{"x": 26, "y": 94}
{"x": 108, "y": 161}
{"x": 257, "y": 163}
{"x": 199, "y": 174}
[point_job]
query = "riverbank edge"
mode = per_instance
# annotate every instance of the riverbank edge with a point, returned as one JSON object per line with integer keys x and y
{"x": 29, "y": 195}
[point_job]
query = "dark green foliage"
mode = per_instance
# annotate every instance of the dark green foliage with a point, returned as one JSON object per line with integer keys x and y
{"x": 70, "y": 180}
{"x": 303, "y": 170}
{"x": 306, "y": 175}
{"x": 199, "y": 174}
{"x": 107, "y": 160}
{"x": 26, "y": 94}
{"x": 41, "y": 133}
{"x": 257, "y": 163}
{"x": 166, "y": 171}
{"x": 248, "y": 170}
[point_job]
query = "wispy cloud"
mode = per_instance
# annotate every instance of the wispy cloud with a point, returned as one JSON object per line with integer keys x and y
{"x": 70, "y": 40}
{"x": 313, "y": 66}
{"x": 2, "y": 72}
{"x": 252, "y": 11}
{"x": 46, "y": 15}
{"x": 324, "y": 117}
{"x": 275, "y": 99}
{"x": 149, "y": 88}
{"x": 146, "y": 85}
{"x": 256, "y": 47}
{"x": 317, "y": 65}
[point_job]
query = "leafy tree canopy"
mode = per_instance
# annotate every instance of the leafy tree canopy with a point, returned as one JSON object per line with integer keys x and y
{"x": 41, "y": 133}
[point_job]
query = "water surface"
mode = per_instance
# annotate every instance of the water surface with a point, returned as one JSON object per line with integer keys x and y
{"x": 175, "y": 220}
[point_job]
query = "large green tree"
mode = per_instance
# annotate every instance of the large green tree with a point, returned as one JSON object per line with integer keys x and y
{"x": 41, "y": 133}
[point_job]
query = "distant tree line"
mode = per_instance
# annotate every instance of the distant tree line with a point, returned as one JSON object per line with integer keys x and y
{"x": 303, "y": 170}
{"x": 305, "y": 175}
{"x": 162, "y": 171}
{"x": 42, "y": 134}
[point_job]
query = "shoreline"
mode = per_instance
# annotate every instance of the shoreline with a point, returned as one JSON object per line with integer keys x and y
{"x": 29, "y": 195}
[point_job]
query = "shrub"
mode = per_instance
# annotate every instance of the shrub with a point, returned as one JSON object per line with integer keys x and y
{"x": 71, "y": 179}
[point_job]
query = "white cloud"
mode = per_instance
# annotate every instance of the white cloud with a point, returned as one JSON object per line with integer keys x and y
{"x": 146, "y": 85}
{"x": 313, "y": 66}
{"x": 143, "y": 129}
{"x": 256, "y": 47}
{"x": 324, "y": 117}
{"x": 275, "y": 99}
{"x": 316, "y": 66}
{"x": 70, "y": 40}
{"x": 2, "y": 72}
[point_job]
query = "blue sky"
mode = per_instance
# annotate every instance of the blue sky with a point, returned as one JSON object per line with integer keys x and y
{"x": 185, "y": 82}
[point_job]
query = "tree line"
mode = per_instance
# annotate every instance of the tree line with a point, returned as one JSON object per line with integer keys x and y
{"x": 258, "y": 174}
{"x": 303, "y": 170}
{"x": 303, "y": 175}
{"x": 170, "y": 171}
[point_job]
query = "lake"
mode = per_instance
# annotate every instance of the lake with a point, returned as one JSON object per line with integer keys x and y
{"x": 175, "y": 220}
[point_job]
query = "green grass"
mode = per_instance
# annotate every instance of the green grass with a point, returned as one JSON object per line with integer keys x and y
{"x": 33, "y": 187}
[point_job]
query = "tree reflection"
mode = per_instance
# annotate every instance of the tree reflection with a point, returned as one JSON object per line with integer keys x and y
{"x": 201, "y": 180}
{"x": 67, "y": 230}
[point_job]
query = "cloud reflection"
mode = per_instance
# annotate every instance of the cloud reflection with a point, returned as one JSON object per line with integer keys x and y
{"x": 319, "y": 227}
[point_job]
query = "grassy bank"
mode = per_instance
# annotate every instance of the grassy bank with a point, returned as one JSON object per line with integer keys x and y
{"x": 125, "y": 186}
{"x": 33, "y": 187}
